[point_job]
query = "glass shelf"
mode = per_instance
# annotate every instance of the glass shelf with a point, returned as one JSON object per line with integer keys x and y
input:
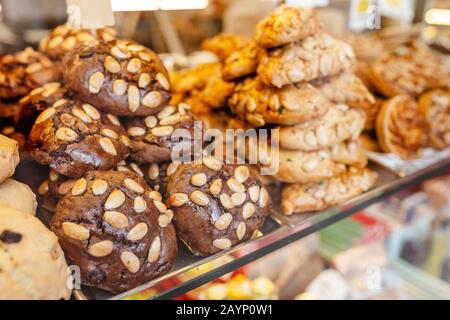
{"x": 190, "y": 272}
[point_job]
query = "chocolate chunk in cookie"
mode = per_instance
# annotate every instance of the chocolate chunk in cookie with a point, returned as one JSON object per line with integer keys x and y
{"x": 110, "y": 225}
{"x": 154, "y": 138}
{"x": 74, "y": 137}
{"x": 216, "y": 205}
{"x": 120, "y": 77}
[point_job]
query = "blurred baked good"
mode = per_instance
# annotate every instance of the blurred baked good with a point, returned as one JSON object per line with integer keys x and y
{"x": 224, "y": 44}
{"x": 23, "y": 71}
{"x": 33, "y": 264}
{"x": 369, "y": 142}
{"x": 260, "y": 104}
{"x": 400, "y": 127}
{"x": 298, "y": 198}
{"x": 315, "y": 57}
{"x": 346, "y": 88}
{"x": 64, "y": 38}
{"x": 434, "y": 107}
{"x": 216, "y": 205}
{"x": 157, "y": 138}
{"x": 285, "y": 25}
{"x": 242, "y": 62}
{"x": 195, "y": 78}
{"x": 340, "y": 123}
{"x": 216, "y": 92}
{"x": 111, "y": 226}
{"x": 74, "y": 137}
{"x": 121, "y": 77}
{"x": 9, "y": 157}
{"x": 17, "y": 195}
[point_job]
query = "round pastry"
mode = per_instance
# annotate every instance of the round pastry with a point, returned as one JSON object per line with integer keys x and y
{"x": 224, "y": 44}
{"x": 299, "y": 198}
{"x": 400, "y": 127}
{"x": 120, "y": 77}
{"x": 18, "y": 196}
{"x": 242, "y": 62}
{"x": 157, "y": 175}
{"x": 32, "y": 262}
{"x": 216, "y": 205}
{"x": 64, "y": 38}
{"x": 114, "y": 227}
{"x": 340, "y": 123}
{"x": 293, "y": 104}
{"x": 154, "y": 138}
{"x": 35, "y": 102}
{"x": 74, "y": 137}
{"x": 9, "y": 157}
{"x": 434, "y": 106}
{"x": 25, "y": 70}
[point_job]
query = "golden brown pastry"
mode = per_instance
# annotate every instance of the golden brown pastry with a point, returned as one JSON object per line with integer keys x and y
{"x": 371, "y": 114}
{"x": 315, "y": 57}
{"x": 242, "y": 62}
{"x": 400, "y": 127}
{"x": 216, "y": 92}
{"x": 340, "y": 123}
{"x": 286, "y": 25}
{"x": 195, "y": 78}
{"x": 368, "y": 142}
{"x": 259, "y": 104}
{"x": 434, "y": 106}
{"x": 9, "y": 157}
{"x": 224, "y": 44}
{"x": 298, "y": 198}
{"x": 346, "y": 88}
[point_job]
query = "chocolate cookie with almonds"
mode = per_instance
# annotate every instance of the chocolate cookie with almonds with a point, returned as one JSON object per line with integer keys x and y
{"x": 74, "y": 137}
{"x": 111, "y": 226}
{"x": 35, "y": 102}
{"x": 300, "y": 198}
{"x": 340, "y": 123}
{"x": 23, "y": 71}
{"x": 154, "y": 138}
{"x": 313, "y": 58}
{"x": 216, "y": 206}
{"x": 224, "y": 44}
{"x": 434, "y": 106}
{"x": 121, "y": 77}
{"x": 285, "y": 25}
{"x": 259, "y": 104}
{"x": 64, "y": 38}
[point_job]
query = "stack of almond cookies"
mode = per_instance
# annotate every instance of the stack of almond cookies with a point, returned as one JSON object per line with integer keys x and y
{"x": 295, "y": 77}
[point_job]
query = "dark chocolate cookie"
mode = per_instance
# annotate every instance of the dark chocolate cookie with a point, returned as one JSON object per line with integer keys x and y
{"x": 65, "y": 38}
{"x": 74, "y": 137}
{"x": 154, "y": 138}
{"x": 216, "y": 205}
{"x": 111, "y": 227}
{"x": 23, "y": 71}
{"x": 121, "y": 77}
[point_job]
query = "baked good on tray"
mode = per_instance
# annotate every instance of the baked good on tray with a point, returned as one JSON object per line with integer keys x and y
{"x": 260, "y": 104}
{"x": 340, "y": 123}
{"x": 17, "y": 195}
{"x": 434, "y": 106}
{"x": 157, "y": 138}
{"x": 9, "y": 157}
{"x": 298, "y": 198}
{"x": 121, "y": 77}
{"x": 285, "y": 25}
{"x": 111, "y": 226}
{"x": 23, "y": 71}
{"x": 224, "y": 44}
{"x": 400, "y": 127}
{"x": 315, "y": 57}
{"x": 64, "y": 38}
{"x": 216, "y": 205}
{"x": 73, "y": 137}
{"x": 32, "y": 262}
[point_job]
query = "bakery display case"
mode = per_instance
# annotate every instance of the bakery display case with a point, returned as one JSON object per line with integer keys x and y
{"x": 116, "y": 143}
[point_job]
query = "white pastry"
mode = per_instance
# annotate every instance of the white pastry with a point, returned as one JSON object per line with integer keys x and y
{"x": 18, "y": 196}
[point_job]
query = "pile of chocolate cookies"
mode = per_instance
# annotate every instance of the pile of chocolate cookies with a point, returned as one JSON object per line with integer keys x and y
{"x": 121, "y": 198}
{"x": 294, "y": 77}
